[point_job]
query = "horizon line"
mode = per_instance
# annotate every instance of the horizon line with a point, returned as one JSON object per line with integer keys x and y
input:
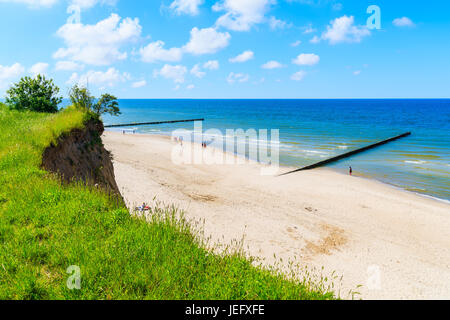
{"x": 447, "y": 98}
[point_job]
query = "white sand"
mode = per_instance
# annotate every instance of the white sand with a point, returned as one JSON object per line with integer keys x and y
{"x": 350, "y": 225}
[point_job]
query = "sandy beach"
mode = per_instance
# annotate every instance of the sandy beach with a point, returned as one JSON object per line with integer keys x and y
{"x": 394, "y": 243}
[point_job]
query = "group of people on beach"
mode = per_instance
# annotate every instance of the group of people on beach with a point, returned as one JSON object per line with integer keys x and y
{"x": 180, "y": 140}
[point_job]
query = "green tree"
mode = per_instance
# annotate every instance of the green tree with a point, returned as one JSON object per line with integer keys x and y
{"x": 35, "y": 94}
{"x": 82, "y": 98}
{"x": 107, "y": 104}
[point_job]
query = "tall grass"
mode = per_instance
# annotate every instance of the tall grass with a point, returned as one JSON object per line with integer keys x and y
{"x": 46, "y": 227}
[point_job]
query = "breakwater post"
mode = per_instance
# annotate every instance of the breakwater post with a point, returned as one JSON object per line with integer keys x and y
{"x": 347, "y": 154}
{"x": 149, "y": 123}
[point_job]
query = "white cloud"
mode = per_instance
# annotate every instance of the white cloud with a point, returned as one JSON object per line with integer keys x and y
{"x": 275, "y": 23}
{"x": 74, "y": 78}
{"x": 211, "y": 65}
{"x": 190, "y": 87}
{"x": 239, "y": 77}
{"x": 243, "y": 57}
{"x": 34, "y": 3}
{"x": 127, "y": 76}
{"x": 403, "y": 22}
{"x": 189, "y": 7}
{"x": 306, "y": 59}
{"x": 296, "y": 43}
{"x": 272, "y": 65}
{"x": 39, "y": 68}
{"x": 154, "y": 52}
{"x": 343, "y": 30}
{"x": 84, "y": 4}
{"x": 208, "y": 40}
{"x": 196, "y": 71}
{"x": 202, "y": 41}
{"x": 337, "y": 6}
{"x": 9, "y": 73}
{"x": 309, "y": 29}
{"x": 98, "y": 78}
{"x": 298, "y": 76}
{"x": 68, "y": 66}
{"x": 175, "y": 73}
{"x": 357, "y": 72}
{"x": 241, "y": 15}
{"x": 139, "y": 84}
{"x": 98, "y": 44}
{"x": 315, "y": 39}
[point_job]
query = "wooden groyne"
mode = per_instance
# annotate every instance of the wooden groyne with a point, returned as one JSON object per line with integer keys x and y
{"x": 150, "y": 123}
{"x": 348, "y": 154}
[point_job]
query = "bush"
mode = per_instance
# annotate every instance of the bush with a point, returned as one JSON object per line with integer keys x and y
{"x": 82, "y": 98}
{"x": 107, "y": 104}
{"x": 34, "y": 94}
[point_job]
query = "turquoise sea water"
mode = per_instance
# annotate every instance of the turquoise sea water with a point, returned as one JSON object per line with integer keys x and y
{"x": 313, "y": 130}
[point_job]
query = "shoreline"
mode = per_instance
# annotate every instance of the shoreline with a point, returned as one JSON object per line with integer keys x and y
{"x": 288, "y": 168}
{"x": 318, "y": 218}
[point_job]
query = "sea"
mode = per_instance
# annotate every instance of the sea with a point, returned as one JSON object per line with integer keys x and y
{"x": 314, "y": 130}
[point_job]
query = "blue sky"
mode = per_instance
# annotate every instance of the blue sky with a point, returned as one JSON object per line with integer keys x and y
{"x": 230, "y": 48}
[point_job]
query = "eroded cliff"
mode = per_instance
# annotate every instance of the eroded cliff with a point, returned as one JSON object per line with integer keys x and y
{"x": 81, "y": 156}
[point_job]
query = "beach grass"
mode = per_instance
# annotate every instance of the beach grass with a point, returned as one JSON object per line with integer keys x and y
{"x": 46, "y": 227}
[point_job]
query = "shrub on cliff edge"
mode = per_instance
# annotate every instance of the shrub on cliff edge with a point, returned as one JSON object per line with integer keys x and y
{"x": 82, "y": 98}
{"x": 34, "y": 94}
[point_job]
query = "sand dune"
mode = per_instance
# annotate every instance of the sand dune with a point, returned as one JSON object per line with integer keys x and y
{"x": 394, "y": 243}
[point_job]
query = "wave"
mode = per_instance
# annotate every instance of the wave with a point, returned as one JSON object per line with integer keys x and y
{"x": 314, "y": 152}
{"x": 415, "y": 162}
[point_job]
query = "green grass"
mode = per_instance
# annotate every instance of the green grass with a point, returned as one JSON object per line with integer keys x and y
{"x": 46, "y": 227}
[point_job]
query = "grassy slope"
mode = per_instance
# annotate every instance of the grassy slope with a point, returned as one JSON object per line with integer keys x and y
{"x": 45, "y": 228}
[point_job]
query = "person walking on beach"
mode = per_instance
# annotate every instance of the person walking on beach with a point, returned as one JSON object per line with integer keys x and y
{"x": 351, "y": 171}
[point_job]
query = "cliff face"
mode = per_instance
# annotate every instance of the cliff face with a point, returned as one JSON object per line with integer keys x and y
{"x": 81, "y": 155}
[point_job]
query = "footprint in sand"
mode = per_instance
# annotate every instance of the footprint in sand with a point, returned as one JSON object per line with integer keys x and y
{"x": 332, "y": 240}
{"x": 292, "y": 233}
{"x": 310, "y": 209}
